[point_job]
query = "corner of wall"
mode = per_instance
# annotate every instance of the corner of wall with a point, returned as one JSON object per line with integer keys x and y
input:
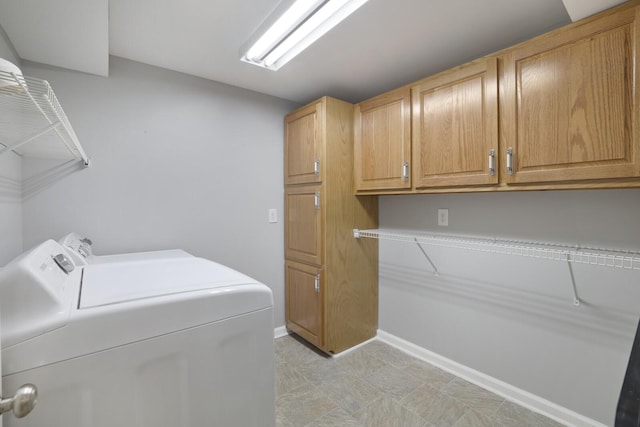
{"x": 7, "y": 50}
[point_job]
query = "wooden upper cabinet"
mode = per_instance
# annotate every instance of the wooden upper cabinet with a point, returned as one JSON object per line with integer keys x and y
{"x": 455, "y": 127}
{"x": 303, "y": 145}
{"x": 570, "y": 107}
{"x": 382, "y": 141}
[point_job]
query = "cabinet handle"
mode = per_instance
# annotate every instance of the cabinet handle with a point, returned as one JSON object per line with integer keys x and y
{"x": 316, "y": 167}
{"x": 492, "y": 162}
{"x": 316, "y": 200}
{"x": 405, "y": 171}
{"x": 510, "y": 161}
{"x": 316, "y": 284}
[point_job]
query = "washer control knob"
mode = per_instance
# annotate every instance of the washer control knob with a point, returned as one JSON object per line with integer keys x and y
{"x": 63, "y": 262}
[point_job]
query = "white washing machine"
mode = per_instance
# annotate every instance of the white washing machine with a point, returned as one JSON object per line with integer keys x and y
{"x": 158, "y": 342}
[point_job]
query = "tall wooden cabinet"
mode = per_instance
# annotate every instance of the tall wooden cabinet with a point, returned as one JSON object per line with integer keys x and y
{"x": 331, "y": 287}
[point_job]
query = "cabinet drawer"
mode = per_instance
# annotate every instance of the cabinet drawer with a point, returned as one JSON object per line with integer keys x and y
{"x": 304, "y": 224}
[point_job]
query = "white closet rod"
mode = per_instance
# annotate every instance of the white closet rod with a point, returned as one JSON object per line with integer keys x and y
{"x": 30, "y": 110}
{"x": 552, "y": 251}
{"x": 559, "y": 252}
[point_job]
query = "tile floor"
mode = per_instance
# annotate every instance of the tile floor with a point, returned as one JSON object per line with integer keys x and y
{"x": 379, "y": 385}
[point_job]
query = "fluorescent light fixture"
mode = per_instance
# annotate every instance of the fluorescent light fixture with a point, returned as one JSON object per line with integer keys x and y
{"x": 304, "y": 22}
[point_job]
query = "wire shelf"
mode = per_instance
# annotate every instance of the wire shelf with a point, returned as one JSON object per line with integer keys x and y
{"x": 32, "y": 122}
{"x": 560, "y": 252}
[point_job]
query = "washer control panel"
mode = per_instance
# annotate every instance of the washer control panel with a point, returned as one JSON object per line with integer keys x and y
{"x": 37, "y": 291}
{"x": 78, "y": 248}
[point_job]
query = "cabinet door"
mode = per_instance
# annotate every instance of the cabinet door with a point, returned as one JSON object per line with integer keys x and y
{"x": 570, "y": 105}
{"x": 303, "y": 145}
{"x": 455, "y": 127}
{"x": 304, "y": 301}
{"x": 303, "y": 224}
{"x": 383, "y": 142}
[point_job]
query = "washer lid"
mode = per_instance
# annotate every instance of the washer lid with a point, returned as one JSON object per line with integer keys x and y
{"x": 118, "y": 282}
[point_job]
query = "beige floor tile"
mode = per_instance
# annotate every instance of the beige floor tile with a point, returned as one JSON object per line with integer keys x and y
{"x": 361, "y": 362}
{"x": 393, "y": 382}
{"x": 287, "y": 378}
{"x": 295, "y": 352}
{"x": 336, "y": 418}
{"x": 435, "y": 407}
{"x": 283, "y": 345}
{"x": 281, "y": 421}
{"x": 304, "y": 405}
{"x": 511, "y": 415}
{"x": 388, "y": 354}
{"x": 378, "y": 385}
{"x": 473, "y": 418}
{"x": 321, "y": 370}
{"x": 350, "y": 392}
{"x": 477, "y": 398}
{"x": 429, "y": 374}
{"x": 387, "y": 412}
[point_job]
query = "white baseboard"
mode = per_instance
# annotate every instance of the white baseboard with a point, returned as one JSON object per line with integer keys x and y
{"x": 507, "y": 391}
{"x": 280, "y": 331}
{"x": 355, "y": 347}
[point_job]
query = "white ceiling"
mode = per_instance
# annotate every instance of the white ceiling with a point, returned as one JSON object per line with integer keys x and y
{"x": 385, "y": 44}
{"x": 71, "y": 34}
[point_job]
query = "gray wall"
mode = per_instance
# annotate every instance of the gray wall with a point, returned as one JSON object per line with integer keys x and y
{"x": 512, "y": 317}
{"x": 10, "y": 186}
{"x": 177, "y": 162}
{"x": 7, "y": 51}
{"x": 10, "y": 207}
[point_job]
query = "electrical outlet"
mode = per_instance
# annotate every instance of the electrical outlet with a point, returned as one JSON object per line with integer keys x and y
{"x": 273, "y": 216}
{"x": 443, "y": 217}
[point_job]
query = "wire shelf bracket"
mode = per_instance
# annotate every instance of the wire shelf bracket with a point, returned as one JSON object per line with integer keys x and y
{"x": 576, "y": 299}
{"x": 32, "y": 122}
{"x": 571, "y": 254}
{"x": 435, "y": 270}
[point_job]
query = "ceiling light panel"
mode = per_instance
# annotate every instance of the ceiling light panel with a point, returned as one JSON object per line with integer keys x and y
{"x": 302, "y": 23}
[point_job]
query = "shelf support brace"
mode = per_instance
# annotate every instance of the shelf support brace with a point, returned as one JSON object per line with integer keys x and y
{"x": 576, "y": 299}
{"x": 435, "y": 270}
{"x": 30, "y": 138}
{"x": 77, "y": 146}
{"x": 356, "y": 234}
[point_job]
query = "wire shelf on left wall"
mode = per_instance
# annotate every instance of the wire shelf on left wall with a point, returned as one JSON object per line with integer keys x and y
{"x": 32, "y": 122}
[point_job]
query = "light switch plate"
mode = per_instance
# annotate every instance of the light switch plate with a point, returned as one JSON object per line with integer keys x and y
{"x": 443, "y": 217}
{"x": 273, "y": 216}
